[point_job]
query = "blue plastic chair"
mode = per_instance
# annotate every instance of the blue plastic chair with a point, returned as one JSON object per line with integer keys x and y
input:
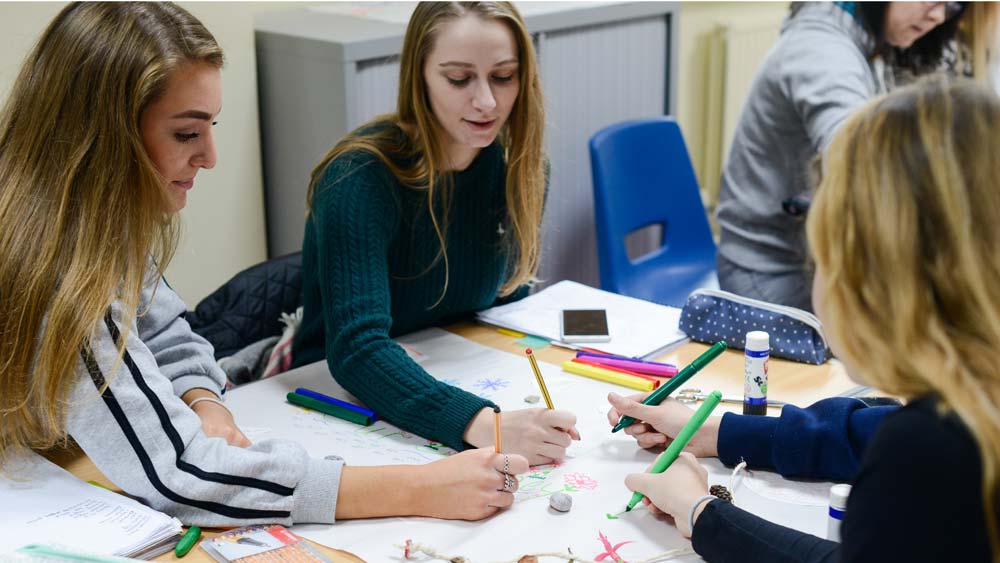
{"x": 642, "y": 177}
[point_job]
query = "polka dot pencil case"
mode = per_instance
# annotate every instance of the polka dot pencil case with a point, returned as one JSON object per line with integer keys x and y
{"x": 710, "y": 315}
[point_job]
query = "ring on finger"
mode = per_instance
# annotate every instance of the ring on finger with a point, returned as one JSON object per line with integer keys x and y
{"x": 508, "y": 483}
{"x": 506, "y": 464}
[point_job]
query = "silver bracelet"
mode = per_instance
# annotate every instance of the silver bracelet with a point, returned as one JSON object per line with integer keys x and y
{"x": 694, "y": 507}
{"x": 210, "y": 400}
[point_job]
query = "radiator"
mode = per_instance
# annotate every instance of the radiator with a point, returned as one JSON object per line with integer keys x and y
{"x": 735, "y": 53}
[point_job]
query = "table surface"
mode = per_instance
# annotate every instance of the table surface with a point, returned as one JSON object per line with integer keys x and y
{"x": 792, "y": 382}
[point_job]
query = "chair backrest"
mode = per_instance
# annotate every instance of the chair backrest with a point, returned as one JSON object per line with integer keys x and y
{"x": 643, "y": 176}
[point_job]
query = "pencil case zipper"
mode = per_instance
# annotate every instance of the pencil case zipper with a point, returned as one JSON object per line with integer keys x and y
{"x": 804, "y": 317}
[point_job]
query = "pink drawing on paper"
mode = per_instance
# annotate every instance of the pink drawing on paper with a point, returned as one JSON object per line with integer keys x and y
{"x": 610, "y": 550}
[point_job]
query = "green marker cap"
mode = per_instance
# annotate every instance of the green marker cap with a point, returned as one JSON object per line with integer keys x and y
{"x": 187, "y": 541}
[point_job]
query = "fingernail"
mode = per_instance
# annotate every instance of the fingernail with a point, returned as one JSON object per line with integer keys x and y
{"x": 615, "y": 396}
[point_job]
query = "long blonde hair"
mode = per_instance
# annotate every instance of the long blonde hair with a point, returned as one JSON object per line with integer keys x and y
{"x": 904, "y": 228}
{"x": 520, "y": 137}
{"x": 82, "y": 207}
{"x": 978, "y": 31}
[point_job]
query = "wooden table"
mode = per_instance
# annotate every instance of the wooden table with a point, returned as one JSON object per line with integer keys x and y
{"x": 792, "y": 382}
{"x": 796, "y": 383}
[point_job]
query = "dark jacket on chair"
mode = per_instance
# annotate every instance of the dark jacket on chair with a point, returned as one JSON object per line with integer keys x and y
{"x": 248, "y": 307}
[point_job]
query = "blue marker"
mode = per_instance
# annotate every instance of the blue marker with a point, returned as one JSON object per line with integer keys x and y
{"x": 337, "y": 402}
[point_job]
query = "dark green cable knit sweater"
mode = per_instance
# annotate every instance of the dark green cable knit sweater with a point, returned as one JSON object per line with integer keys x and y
{"x": 368, "y": 243}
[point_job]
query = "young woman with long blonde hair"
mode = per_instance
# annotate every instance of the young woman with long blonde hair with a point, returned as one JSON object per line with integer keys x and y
{"x": 904, "y": 235}
{"x": 108, "y": 125}
{"x": 430, "y": 213}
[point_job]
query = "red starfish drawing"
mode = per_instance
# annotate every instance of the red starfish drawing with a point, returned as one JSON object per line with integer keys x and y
{"x": 611, "y": 551}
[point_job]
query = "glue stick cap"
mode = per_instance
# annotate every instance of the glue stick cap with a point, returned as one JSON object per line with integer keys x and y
{"x": 758, "y": 340}
{"x": 838, "y": 496}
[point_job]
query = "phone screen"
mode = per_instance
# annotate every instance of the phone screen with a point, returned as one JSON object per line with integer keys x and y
{"x": 585, "y": 322}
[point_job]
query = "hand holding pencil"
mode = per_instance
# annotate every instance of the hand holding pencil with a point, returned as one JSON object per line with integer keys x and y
{"x": 541, "y": 435}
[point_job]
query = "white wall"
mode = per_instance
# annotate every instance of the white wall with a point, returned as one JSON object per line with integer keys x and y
{"x": 224, "y": 220}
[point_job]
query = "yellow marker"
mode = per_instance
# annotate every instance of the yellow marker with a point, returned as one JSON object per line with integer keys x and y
{"x": 607, "y": 375}
{"x": 538, "y": 377}
{"x": 510, "y": 332}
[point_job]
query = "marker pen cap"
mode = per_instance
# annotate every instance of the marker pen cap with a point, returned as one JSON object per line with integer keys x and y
{"x": 838, "y": 504}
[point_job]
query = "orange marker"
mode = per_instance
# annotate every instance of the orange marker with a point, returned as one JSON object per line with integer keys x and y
{"x": 496, "y": 428}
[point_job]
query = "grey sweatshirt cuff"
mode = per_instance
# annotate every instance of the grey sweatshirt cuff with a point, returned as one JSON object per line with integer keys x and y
{"x": 315, "y": 498}
{"x": 186, "y": 383}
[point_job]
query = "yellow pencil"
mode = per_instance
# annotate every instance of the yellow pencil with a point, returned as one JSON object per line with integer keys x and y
{"x": 607, "y": 375}
{"x": 538, "y": 377}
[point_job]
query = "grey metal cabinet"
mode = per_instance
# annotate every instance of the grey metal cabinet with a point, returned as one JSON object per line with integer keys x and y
{"x": 323, "y": 71}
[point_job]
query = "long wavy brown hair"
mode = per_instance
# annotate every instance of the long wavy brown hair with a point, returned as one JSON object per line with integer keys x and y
{"x": 82, "y": 207}
{"x": 904, "y": 229}
{"x": 520, "y": 137}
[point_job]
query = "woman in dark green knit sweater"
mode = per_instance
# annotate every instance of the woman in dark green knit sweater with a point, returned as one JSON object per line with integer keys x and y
{"x": 427, "y": 214}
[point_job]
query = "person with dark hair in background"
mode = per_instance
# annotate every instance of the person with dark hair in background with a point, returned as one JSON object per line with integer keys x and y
{"x": 831, "y": 58}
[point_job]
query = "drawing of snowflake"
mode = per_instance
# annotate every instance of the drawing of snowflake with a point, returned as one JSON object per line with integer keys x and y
{"x": 579, "y": 481}
{"x": 492, "y": 384}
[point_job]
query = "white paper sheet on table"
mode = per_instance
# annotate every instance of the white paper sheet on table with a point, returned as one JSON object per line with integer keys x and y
{"x": 593, "y": 474}
{"x": 42, "y": 503}
{"x": 638, "y": 328}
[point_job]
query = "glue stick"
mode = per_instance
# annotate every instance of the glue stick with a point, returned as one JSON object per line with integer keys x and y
{"x": 758, "y": 350}
{"x": 838, "y": 504}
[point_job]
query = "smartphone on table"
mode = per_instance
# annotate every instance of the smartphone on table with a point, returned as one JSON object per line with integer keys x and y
{"x": 584, "y": 325}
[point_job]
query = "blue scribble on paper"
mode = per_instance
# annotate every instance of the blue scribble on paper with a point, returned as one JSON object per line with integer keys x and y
{"x": 488, "y": 385}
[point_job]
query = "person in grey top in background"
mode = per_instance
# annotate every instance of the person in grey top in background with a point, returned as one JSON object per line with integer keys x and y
{"x": 822, "y": 68}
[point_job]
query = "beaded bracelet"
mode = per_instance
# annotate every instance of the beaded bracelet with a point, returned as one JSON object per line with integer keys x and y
{"x": 210, "y": 400}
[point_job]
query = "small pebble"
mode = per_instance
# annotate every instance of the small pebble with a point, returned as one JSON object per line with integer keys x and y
{"x": 561, "y": 502}
{"x": 532, "y": 399}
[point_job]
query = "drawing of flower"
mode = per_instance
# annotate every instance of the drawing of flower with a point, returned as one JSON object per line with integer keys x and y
{"x": 610, "y": 550}
{"x": 579, "y": 481}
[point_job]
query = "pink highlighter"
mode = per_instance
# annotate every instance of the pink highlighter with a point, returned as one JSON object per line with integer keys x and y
{"x": 662, "y": 370}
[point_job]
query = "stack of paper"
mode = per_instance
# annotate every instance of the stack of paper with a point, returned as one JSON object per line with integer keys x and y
{"x": 45, "y": 504}
{"x": 638, "y": 329}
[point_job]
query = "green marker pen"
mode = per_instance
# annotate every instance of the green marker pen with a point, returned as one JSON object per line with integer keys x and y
{"x": 664, "y": 391}
{"x": 187, "y": 541}
{"x": 683, "y": 437}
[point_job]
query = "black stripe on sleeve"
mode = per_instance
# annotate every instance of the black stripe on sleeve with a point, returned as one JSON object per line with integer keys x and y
{"x": 175, "y": 437}
{"x": 147, "y": 463}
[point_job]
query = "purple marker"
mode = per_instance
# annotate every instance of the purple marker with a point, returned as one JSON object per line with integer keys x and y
{"x": 645, "y": 368}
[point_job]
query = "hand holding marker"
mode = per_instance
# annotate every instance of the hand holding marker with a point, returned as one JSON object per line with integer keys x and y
{"x": 664, "y": 391}
{"x": 683, "y": 437}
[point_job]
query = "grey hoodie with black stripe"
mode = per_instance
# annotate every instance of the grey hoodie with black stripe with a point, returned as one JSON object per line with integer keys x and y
{"x": 148, "y": 442}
